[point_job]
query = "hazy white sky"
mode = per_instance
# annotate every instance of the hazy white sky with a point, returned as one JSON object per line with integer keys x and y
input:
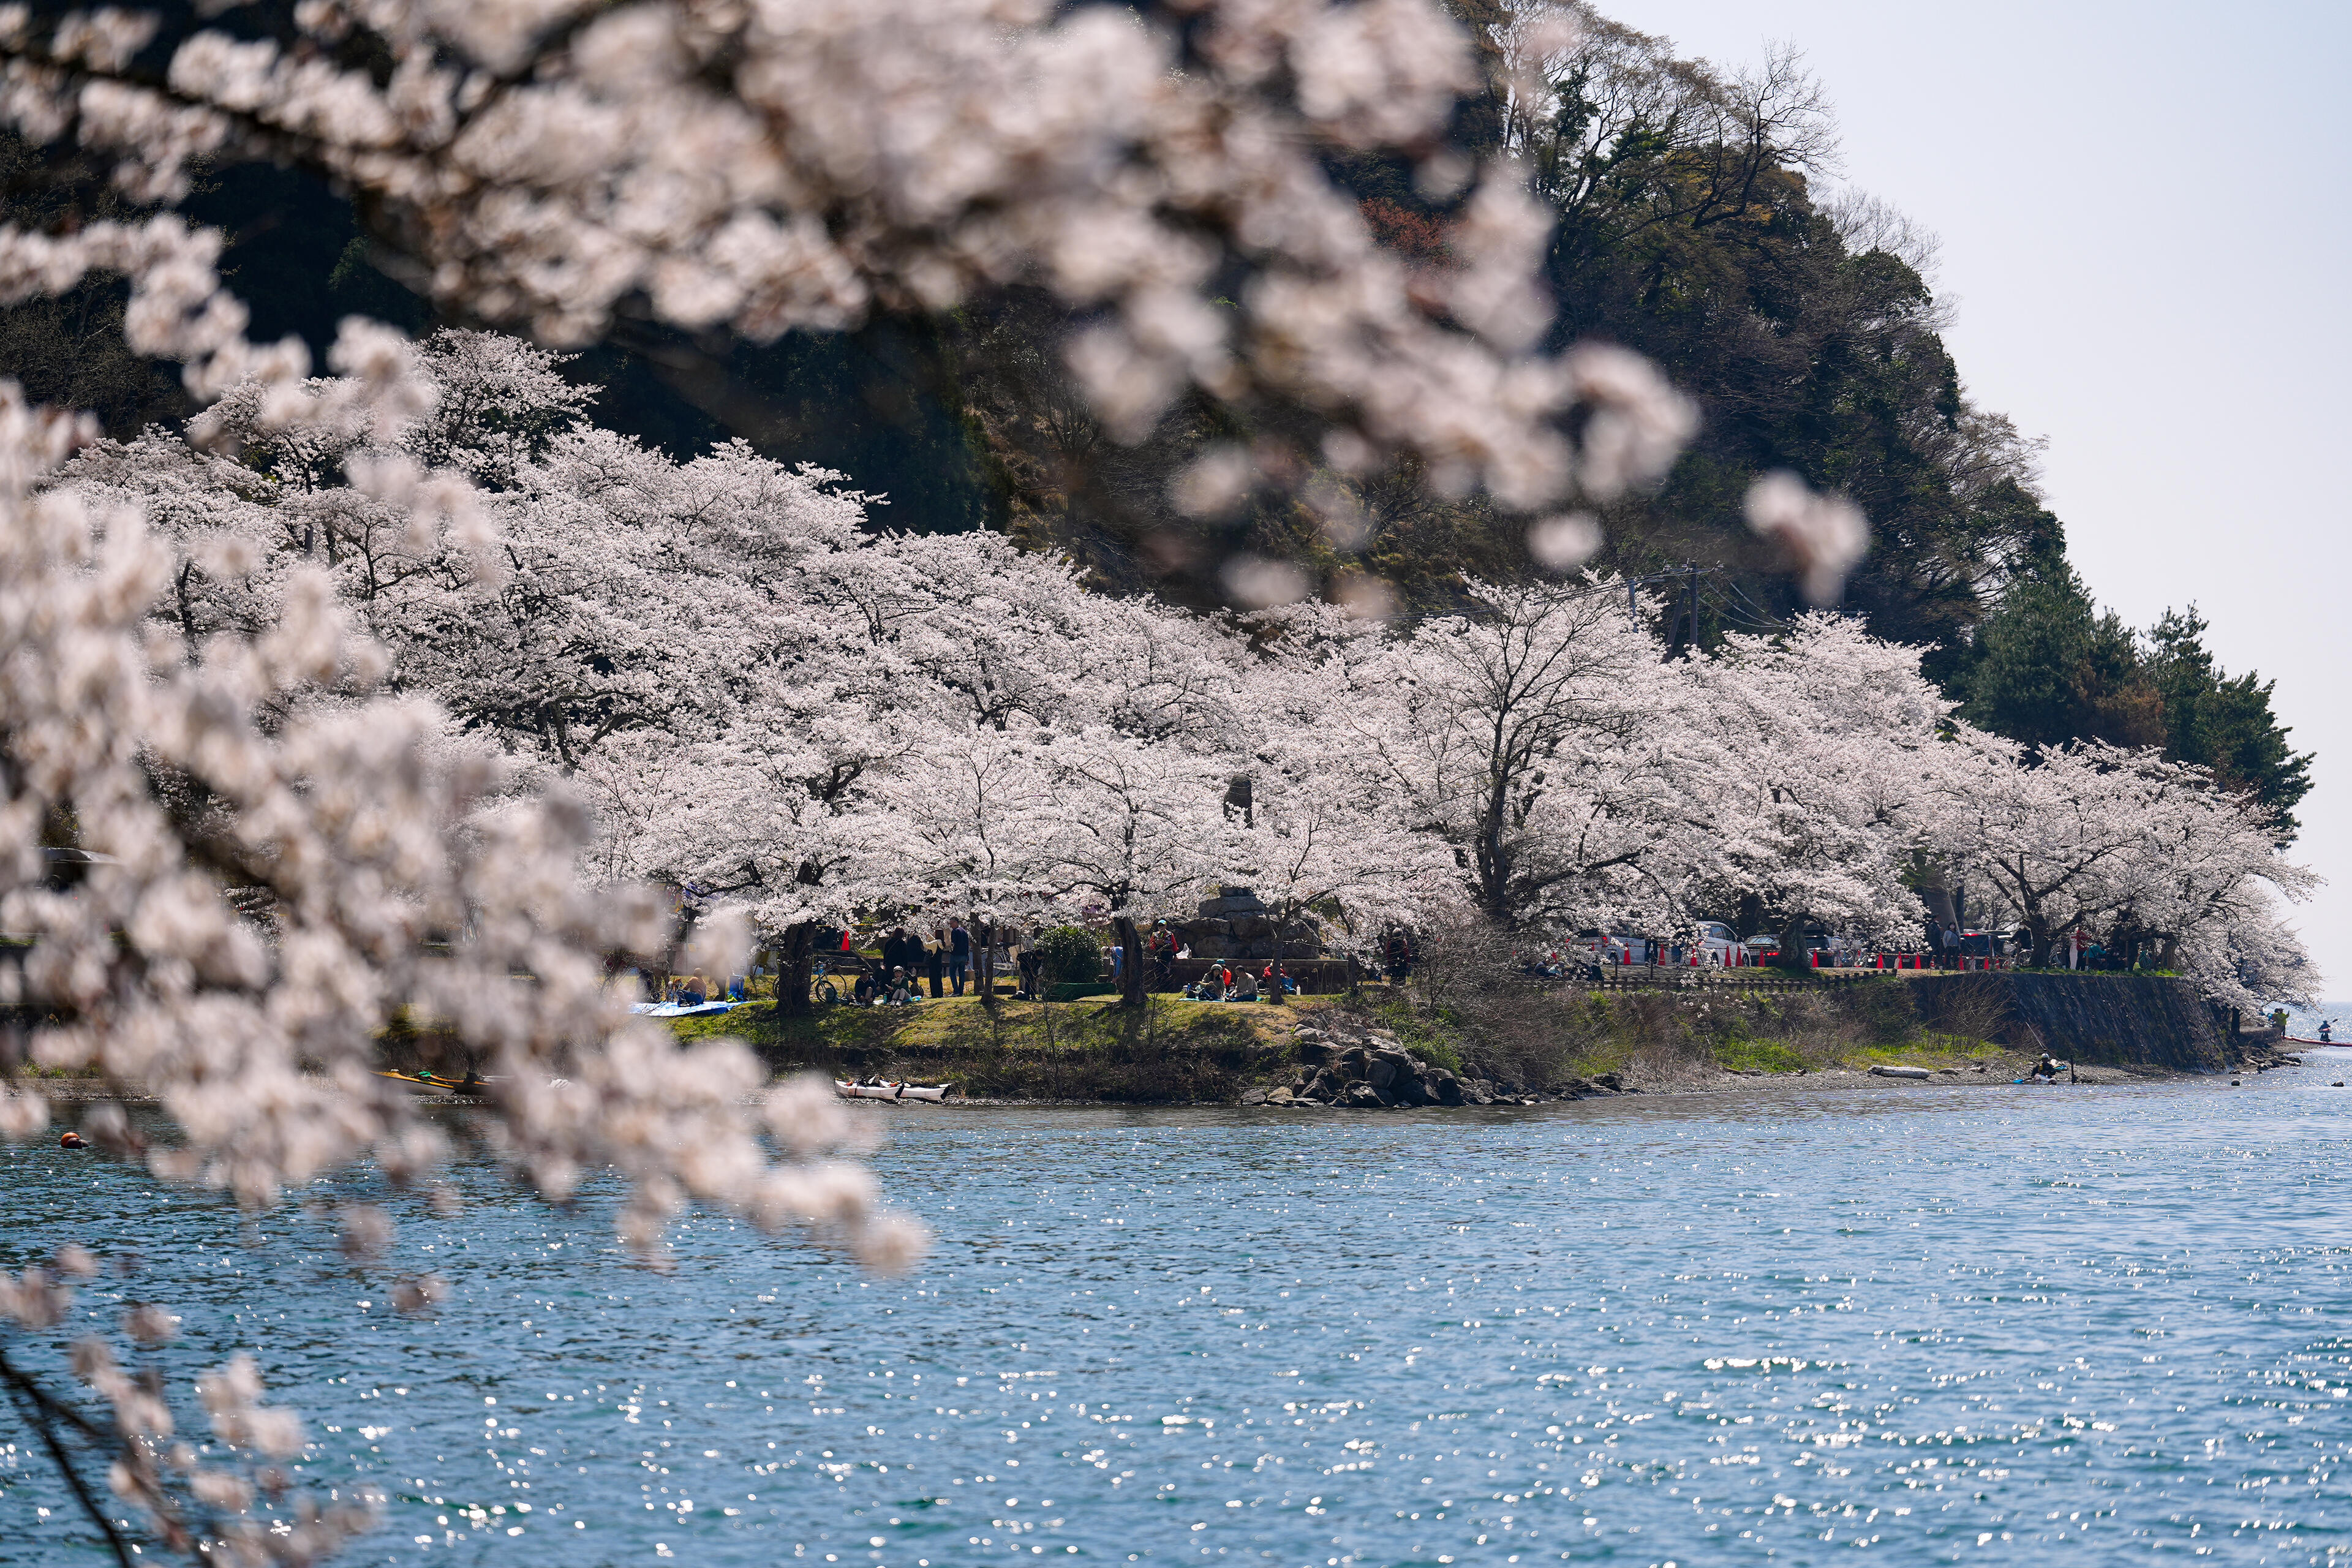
{"x": 2143, "y": 217}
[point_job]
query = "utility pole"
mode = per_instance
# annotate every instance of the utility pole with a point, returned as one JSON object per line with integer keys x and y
{"x": 1677, "y": 638}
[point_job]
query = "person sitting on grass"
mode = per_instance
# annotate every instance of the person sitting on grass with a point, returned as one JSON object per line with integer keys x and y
{"x": 902, "y": 988}
{"x": 864, "y": 992}
{"x": 1244, "y": 988}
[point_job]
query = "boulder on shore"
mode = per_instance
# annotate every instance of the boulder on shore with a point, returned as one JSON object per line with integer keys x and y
{"x": 1366, "y": 1069}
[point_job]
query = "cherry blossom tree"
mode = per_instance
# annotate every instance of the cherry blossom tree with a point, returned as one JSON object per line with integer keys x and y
{"x": 1133, "y": 832}
{"x": 1326, "y": 836}
{"x": 979, "y": 800}
{"x": 276, "y": 857}
{"x": 1484, "y": 720}
{"x": 2099, "y": 836}
{"x": 1818, "y": 765}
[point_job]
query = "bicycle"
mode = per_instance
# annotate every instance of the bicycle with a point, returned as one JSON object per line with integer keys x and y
{"x": 822, "y": 993}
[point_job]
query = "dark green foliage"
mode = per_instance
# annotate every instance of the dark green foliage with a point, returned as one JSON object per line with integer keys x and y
{"x": 881, "y": 405}
{"x": 2220, "y": 721}
{"x": 1690, "y": 233}
{"x": 68, "y": 350}
{"x": 297, "y": 257}
{"x": 2048, "y": 667}
{"x": 1069, "y": 955}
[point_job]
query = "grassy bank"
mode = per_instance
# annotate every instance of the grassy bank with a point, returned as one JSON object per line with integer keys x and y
{"x": 1664, "y": 1040}
{"x": 1176, "y": 1051}
{"x": 1172, "y": 1051}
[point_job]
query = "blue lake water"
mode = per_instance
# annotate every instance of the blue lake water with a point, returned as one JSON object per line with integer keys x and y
{"x": 1930, "y": 1324}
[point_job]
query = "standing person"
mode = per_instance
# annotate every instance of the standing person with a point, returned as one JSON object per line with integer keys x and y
{"x": 1399, "y": 958}
{"x": 1949, "y": 939}
{"x": 1030, "y": 967}
{"x": 935, "y": 962}
{"x": 958, "y": 945}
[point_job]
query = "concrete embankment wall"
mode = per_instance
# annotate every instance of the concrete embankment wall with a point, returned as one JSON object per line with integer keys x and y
{"x": 2115, "y": 1020}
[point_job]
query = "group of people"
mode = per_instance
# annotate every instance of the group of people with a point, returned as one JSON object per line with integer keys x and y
{"x": 908, "y": 961}
{"x": 1226, "y": 984}
{"x": 694, "y": 991}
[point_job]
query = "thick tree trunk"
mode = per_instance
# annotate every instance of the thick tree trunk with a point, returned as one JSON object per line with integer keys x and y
{"x": 796, "y": 956}
{"x": 984, "y": 959}
{"x": 1130, "y": 962}
{"x": 1276, "y": 998}
{"x": 1792, "y": 944}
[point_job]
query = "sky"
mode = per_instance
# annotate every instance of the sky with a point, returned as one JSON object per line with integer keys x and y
{"x": 2144, "y": 222}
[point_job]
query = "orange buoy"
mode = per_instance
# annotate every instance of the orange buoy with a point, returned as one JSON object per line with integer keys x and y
{"x": 72, "y": 1140}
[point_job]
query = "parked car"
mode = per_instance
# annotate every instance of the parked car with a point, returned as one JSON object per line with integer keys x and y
{"x": 1718, "y": 945}
{"x": 1616, "y": 947}
{"x": 1713, "y": 942}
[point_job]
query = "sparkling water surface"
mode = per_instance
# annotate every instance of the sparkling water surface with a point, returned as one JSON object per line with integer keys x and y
{"x": 2006, "y": 1324}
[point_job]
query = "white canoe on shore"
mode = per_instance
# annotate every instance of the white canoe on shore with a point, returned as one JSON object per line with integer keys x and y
{"x": 1902, "y": 1072}
{"x": 889, "y": 1091}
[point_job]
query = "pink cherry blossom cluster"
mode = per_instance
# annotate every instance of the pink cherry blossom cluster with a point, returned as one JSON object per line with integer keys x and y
{"x": 544, "y": 163}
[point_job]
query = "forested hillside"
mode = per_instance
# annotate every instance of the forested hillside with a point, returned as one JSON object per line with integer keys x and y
{"x": 1692, "y": 225}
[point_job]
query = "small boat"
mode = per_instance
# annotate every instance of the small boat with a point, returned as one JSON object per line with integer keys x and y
{"x": 2299, "y": 1040}
{"x": 684, "y": 1009}
{"x": 470, "y": 1086}
{"x": 1902, "y": 1072}
{"x": 888, "y": 1091}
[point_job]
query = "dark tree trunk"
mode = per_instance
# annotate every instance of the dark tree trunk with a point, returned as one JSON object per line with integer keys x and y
{"x": 1276, "y": 998}
{"x": 1792, "y": 944}
{"x": 984, "y": 959}
{"x": 796, "y": 956}
{"x": 1130, "y": 962}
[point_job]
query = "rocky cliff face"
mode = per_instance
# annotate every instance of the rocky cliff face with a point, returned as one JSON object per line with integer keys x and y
{"x": 2116, "y": 1020}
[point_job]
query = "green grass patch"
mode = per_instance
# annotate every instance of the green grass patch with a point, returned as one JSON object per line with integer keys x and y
{"x": 1430, "y": 1038}
{"x": 1759, "y": 1055}
{"x": 1931, "y": 1050}
{"x": 960, "y": 1024}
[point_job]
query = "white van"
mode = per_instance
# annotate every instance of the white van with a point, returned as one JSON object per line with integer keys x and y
{"x": 1719, "y": 946}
